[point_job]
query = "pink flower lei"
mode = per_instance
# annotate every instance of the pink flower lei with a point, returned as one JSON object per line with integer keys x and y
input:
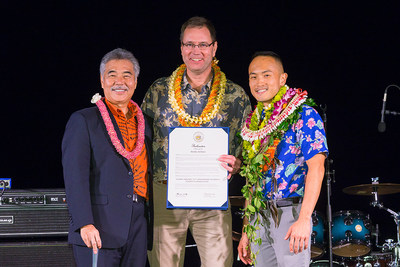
{"x": 278, "y": 106}
{"x": 293, "y": 98}
{"x": 113, "y": 134}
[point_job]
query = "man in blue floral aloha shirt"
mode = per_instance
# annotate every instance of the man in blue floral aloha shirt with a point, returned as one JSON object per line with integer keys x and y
{"x": 290, "y": 133}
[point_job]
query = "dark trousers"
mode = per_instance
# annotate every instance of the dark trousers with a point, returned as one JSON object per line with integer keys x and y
{"x": 133, "y": 253}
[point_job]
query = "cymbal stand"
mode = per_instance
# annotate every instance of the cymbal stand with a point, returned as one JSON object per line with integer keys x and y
{"x": 395, "y": 247}
{"x": 330, "y": 177}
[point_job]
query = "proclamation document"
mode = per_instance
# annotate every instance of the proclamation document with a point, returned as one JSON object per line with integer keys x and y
{"x": 196, "y": 178}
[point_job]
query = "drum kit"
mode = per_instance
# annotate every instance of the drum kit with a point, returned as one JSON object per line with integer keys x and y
{"x": 351, "y": 232}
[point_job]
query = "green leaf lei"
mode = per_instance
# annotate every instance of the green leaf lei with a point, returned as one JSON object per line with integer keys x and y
{"x": 254, "y": 159}
{"x": 255, "y": 121}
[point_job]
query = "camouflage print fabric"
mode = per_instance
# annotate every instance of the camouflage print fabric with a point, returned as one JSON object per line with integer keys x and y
{"x": 233, "y": 111}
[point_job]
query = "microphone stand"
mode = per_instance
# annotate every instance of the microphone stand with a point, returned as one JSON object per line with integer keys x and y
{"x": 330, "y": 177}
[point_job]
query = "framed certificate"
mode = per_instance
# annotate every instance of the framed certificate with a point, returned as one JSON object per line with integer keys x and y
{"x": 196, "y": 179}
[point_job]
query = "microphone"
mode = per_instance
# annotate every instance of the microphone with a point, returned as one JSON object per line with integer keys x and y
{"x": 382, "y": 125}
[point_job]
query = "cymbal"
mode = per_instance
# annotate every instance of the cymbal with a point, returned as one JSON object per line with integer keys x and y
{"x": 368, "y": 189}
{"x": 237, "y": 201}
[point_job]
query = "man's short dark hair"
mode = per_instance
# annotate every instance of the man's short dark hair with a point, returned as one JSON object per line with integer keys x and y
{"x": 199, "y": 22}
{"x": 267, "y": 54}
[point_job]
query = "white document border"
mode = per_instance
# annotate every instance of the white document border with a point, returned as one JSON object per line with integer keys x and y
{"x": 225, "y": 205}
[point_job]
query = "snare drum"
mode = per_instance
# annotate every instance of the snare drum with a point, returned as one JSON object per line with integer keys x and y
{"x": 351, "y": 233}
{"x": 317, "y": 235}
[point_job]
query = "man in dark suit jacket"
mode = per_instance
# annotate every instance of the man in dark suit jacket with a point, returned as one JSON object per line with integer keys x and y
{"x": 107, "y": 171}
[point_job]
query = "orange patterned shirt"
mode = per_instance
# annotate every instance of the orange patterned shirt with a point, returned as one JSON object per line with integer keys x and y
{"x": 128, "y": 126}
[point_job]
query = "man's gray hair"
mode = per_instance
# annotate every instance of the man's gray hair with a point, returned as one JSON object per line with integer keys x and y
{"x": 118, "y": 54}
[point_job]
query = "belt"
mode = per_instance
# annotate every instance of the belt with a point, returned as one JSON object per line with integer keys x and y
{"x": 162, "y": 182}
{"x": 137, "y": 198}
{"x": 285, "y": 202}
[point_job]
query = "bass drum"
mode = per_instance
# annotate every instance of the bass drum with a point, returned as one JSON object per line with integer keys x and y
{"x": 351, "y": 233}
{"x": 317, "y": 235}
{"x": 325, "y": 263}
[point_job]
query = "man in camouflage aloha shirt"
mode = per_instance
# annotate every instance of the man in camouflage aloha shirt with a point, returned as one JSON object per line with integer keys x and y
{"x": 212, "y": 229}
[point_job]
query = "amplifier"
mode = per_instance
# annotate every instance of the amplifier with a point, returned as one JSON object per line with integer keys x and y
{"x": 32, "y": 213}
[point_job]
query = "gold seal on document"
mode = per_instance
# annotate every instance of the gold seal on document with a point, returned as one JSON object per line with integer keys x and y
{"x": 198, "y": 137}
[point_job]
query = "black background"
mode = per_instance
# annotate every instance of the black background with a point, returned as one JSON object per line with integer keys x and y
{"x": 344, "y": 54}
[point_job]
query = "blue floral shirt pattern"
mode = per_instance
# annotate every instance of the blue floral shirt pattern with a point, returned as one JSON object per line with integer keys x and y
{"x": 303, "y": 140}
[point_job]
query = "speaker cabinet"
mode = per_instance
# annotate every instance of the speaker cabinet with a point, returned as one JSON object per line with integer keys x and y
{"x": 36, "y": 253}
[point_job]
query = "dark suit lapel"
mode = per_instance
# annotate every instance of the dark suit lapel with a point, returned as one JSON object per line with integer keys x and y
{"x": 115, "y": 124}
{"x": 119, "y": 134}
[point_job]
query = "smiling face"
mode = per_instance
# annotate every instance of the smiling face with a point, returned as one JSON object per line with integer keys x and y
{"x": 118, "y": 82}
{"x": 198, "y": 61}
{"x": 266, "y": 77}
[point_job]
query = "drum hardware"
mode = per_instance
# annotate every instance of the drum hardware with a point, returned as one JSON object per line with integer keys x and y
{"x": 372, "y": 260}
{"x": 389, "y": 245}
{"x": 325, "y": 263}
{"x": 395, "y": 247}
{"x": 375, "y": 232}
{"x": 375, "y": 189}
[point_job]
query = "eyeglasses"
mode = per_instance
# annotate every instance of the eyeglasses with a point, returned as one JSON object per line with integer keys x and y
{"x": 201, "y": 46}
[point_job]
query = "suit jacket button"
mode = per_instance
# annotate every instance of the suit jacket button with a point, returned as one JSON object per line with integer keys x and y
{"x": 129, "y": 196}
{"x": 130, "y": 173}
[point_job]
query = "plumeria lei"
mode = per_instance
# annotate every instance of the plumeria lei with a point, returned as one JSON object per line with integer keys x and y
{"x": 97, "y": 99}
{"x": 213, "y": 103}
{"x": 262, "y": 132}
